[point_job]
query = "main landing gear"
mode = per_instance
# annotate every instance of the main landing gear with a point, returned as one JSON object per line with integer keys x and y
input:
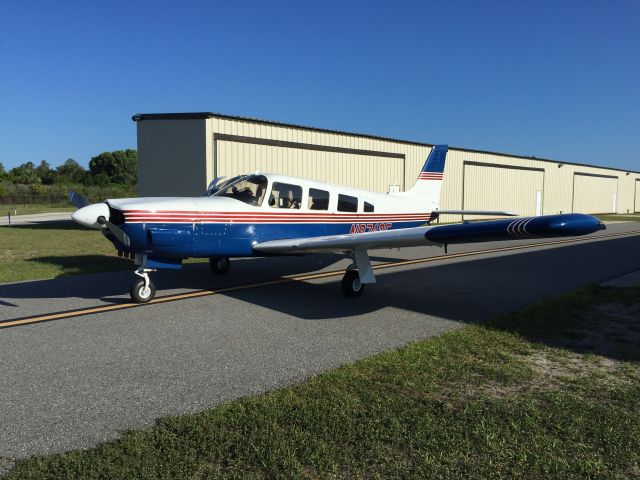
{"x": 358, "y": 274}
{"x": 219, "y": 265}
{"x": 143, "y": 290}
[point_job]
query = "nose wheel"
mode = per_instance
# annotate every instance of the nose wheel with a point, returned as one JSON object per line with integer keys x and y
{"x": 142, "y": 290}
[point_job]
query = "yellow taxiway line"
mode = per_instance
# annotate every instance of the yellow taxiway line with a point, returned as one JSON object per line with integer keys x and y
{"x": 292, "y": 278}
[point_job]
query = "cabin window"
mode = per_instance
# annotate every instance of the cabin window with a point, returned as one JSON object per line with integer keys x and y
{"x": 284, "y": 195}
{"x": 368, "y": 207}
{"x": 318, "y": 199}
{"x": 347, "y": 203}
{"x": 249, "y": 189}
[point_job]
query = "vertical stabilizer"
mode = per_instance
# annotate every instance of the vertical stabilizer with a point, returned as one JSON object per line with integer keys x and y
{"x": 429, "y": 182}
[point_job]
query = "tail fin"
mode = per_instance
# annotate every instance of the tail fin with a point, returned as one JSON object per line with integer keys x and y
{"x": 429, "y": 182}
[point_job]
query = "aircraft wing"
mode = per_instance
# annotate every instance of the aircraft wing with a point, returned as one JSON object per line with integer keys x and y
{"x": 493, "y": 230}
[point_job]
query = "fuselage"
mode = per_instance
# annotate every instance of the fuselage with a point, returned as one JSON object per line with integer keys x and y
{"x": 263, "y": 207}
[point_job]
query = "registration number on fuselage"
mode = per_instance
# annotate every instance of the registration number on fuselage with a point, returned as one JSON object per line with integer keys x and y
{"x": 369, "y": 227}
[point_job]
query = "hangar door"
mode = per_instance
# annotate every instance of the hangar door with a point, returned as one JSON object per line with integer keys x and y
{"x": 636, "y": 203}
{"x": 374, "y": 171}
{"x": 502, "y": 187}
{"x": 594, "y": 193}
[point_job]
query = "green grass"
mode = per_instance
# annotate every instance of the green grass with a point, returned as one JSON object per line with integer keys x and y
{"x": 53, "y": 249}
{"x": 618, "y": 217}
{"x": 525, "y": 396}
{"x": 31, "y": 209}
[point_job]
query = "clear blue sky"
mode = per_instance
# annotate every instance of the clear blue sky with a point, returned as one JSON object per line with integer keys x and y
{"x": 552, "y": 79}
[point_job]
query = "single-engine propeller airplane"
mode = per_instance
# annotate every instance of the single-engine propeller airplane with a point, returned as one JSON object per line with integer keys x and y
{"x": 267, "y": 214}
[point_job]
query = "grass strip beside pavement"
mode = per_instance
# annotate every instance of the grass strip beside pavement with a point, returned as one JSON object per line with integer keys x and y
{"x": 48, "y": 250}
{"x": 619, "y": 217}
{"x": 549, "y": 391}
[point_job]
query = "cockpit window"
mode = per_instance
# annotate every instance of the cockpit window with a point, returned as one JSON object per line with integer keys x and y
{"x": 249, "y": 189}
{"x": 284, "y": 195}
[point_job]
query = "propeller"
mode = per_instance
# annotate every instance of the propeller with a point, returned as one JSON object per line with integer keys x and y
{"x": 95, "y": 216}
{"x": 77, "y": 200}
{"x": 117, "y": 231}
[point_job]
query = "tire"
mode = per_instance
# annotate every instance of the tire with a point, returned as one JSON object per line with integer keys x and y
{"x": 138, "y": 294}
{"x": 351, "y": 285}
{"x": 219, "y": 265}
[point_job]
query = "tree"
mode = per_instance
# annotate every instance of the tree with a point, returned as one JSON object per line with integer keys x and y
{"x": 3, "y": 172}
{"x": 45, "y": 173}
{"x": 120, "y": 166}
{"x": 71, "y": 171}
{"x": 24, "y": 174}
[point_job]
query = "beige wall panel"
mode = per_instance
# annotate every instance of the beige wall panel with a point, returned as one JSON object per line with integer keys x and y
{"x": 594, "y": 194}
{"x": 172, "y": 157}
{"x": 636, "y": 207}
{"x": 177, "y": 158}
{"x": 358, "y": 171}
{"x": 626, "y": 192}
{"x": 499, "y": 188}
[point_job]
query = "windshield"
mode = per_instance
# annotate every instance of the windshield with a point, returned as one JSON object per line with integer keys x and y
{"x": 249, "y": 189}
{"x": 218, "y": 184}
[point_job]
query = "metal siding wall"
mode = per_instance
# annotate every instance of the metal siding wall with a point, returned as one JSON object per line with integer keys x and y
{"x": 498, "y": 188}
{"x": 636, "y": 203}
{"x": 594, "y": 194}
{"x": 359, "y": 171}
{"x": 172, "y": 157}
{"x": 177, "y": 158}
{"x": 626, "y": 192}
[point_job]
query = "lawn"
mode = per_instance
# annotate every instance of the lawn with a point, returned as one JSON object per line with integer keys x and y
{"x": 619, "y": 217}
{"x": 548, "y": 392}
{"x": 49, "y": 250}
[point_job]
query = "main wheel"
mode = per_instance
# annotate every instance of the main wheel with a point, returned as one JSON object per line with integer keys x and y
{"x": 140, "y": 294}
{"x": 351, "y": 284}
{"x": 219, "y": 264}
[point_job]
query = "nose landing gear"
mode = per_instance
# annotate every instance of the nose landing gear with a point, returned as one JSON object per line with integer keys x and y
{"x": 143, "y": 290}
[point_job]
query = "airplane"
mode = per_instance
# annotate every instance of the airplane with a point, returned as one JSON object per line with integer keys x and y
{"x": 266, "y": 214}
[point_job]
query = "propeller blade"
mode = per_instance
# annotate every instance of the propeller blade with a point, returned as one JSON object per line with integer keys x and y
{"x": 117, "y": 231}
{"x": 77, "y": 200}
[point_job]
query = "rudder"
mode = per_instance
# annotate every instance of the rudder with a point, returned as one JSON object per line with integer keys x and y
{"x": 429, "y": 182}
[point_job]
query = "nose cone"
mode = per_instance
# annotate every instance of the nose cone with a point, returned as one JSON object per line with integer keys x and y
{"x": 88, "y": 216}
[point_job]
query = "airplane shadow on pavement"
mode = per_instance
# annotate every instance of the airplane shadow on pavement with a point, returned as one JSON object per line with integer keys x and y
{"x": 465, "y": 290}
{"x": 471, "y": 290}
{"x": 113, "y": 286}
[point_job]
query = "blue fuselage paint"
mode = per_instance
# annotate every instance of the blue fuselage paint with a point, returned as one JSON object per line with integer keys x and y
{"x": 231, "y": 239}
{"x": 205, "y": 240}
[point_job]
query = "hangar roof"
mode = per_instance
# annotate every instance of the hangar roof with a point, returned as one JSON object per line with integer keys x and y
{"x": 204, "y": 115}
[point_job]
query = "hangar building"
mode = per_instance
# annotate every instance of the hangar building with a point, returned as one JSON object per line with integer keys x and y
{"x": 180, "y": 153}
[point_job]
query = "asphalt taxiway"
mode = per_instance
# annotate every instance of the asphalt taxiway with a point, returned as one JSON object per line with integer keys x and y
{"x": 79, "y": 364}
{"x": 34, "y": 219}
